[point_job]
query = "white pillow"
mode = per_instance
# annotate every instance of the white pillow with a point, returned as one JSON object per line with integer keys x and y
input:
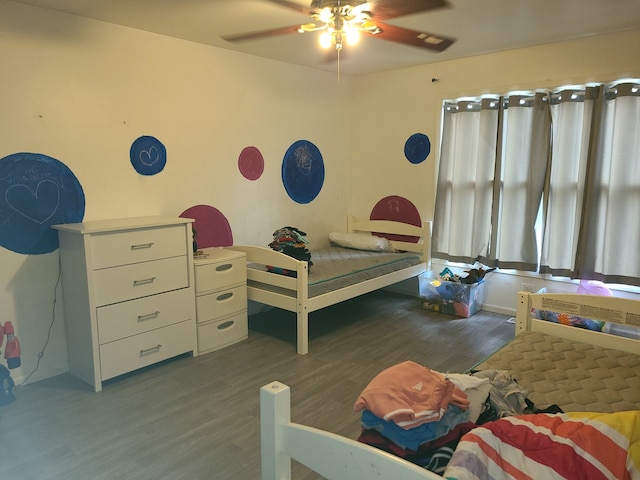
{"x": 360, "y": 241}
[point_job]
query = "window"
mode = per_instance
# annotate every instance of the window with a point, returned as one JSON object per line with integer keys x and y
{"x": 543, "y": 181}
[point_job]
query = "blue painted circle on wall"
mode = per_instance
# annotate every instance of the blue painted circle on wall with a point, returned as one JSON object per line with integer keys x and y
{"x": 36, "y": 191}
{"x": 417, "y": 148}
{"x": 303, "y": 171}
{"x": 148, "y": 155}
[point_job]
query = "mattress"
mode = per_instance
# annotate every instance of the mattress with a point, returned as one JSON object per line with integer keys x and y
{"x": 573, "y": 375}
{"x": 335, "y": 268}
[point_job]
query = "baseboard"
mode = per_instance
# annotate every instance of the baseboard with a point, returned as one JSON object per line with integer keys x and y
{"x": 40, "y": 374}
{"x": 498, "y": 309}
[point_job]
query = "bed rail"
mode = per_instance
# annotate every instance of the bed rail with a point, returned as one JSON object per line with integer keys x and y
{"x": 624, "y": 311}
{"x": 330, "y": 455}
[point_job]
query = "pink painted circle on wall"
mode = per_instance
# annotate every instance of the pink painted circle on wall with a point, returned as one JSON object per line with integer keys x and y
{"x": 211, "y": 226}
{"x": 251, "y": 163}
{"x": 398, "y": 209}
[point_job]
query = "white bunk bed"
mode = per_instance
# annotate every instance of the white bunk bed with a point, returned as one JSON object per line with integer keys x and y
{"x": 336, "y": 457}
{"x": 313, "y": 290}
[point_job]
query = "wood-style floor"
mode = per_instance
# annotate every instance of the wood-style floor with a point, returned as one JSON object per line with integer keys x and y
{"x": 198, "y": 418}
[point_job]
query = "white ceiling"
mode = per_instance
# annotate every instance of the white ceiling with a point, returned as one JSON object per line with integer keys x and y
{"x": 480, "y": 26}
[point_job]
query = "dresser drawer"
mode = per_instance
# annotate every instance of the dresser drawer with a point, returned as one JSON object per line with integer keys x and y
{"x": 118, "y": 284}
{"x": 215, "y": 335}
{"x": 141, "y": 350}
{"x": 222, "y": 303}
{"x": 137, "y": 316}
{"x": 214, "y": 276}
{"x": 133, "y": 246}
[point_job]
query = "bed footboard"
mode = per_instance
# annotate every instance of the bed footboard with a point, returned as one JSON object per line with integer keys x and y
{"x": 613, "y": 310}
{"x": 330, "y": 455}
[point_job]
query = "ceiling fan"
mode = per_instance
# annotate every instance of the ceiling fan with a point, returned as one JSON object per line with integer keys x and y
{"x": 343, "y": 21}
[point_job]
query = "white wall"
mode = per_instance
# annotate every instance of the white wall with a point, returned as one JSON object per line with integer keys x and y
{"x": 82, "y": 91}
{"x": 408, "y": 100}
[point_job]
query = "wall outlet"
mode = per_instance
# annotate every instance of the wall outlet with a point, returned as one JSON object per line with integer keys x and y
{"x": 528, "y": 287}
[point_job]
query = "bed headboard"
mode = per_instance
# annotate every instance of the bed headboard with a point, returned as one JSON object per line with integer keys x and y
{"x": 423, "y": 246}
{"x": 332, "y": 456}
{"x": 616, "y": 310}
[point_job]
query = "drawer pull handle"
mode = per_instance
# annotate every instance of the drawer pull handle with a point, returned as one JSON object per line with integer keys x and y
{"x": 143, "y": 281}
{"x": 140, "y": 246}
{"x": 224, "y": 296}
{"x": 148, "y": 316}
{"x": 222, "y": 268}
{"x": 148, "y": 351}
{"x": 225, "y": 325}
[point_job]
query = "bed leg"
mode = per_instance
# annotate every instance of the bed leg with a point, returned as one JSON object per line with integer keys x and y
{"x": 303, "y": 332}
{"x": 275, "y": 410}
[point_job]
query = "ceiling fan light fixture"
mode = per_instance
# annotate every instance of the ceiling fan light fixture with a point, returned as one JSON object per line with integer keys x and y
{"x": 326, "y": 39}
{"x": 352, "y": 35}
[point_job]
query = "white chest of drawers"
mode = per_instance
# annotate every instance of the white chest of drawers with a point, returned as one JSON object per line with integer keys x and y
{"x": 129, "y": 296}
{"x": 221, "y": 298}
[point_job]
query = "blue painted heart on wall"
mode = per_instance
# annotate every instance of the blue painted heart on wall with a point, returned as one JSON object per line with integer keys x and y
{"x": 148, "y": 155}
{"x": 36, "y": 191}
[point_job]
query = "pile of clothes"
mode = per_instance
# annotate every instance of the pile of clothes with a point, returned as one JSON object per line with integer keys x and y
{"x": 420, "y": 414}
{"x": 293, "y": 242}
{"x": 474, "y": 275}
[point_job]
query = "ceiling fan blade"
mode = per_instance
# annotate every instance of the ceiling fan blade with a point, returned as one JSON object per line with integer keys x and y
{"x": 387, "y": 9}
{"x": 430, "y": 41}
{"x": 292, "y": 5}
{"x": 261, "y": 34}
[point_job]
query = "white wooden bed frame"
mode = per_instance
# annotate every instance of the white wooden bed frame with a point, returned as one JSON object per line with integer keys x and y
{"x": 292, "y": 294}
{"x": 332, "y": 456}
{"x": 339, "y": 458}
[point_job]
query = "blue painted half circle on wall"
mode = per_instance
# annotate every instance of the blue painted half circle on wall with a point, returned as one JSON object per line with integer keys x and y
{"x": 303, "y": 171}
{"x": 36, "y": 191}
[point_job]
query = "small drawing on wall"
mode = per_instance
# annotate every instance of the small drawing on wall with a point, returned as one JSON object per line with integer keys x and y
{"x": 211, "y": 226}
{"x": 417, "y": 148}
{"x": 148, "y": 155}
{"x": 251, "y": 163}
{"x": 398, "y": 209}
{"x": 36, "y": 191}
{"x": 303, "y": 171}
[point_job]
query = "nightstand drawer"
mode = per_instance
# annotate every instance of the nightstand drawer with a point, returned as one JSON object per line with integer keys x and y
{"x": 215, "y": 335}
{"x": 214, "y": 276}
{"x": 145, "y": 349}
{"x": 219, "y": 304}
{"x": 118, "y": 284}
{"x": 137, "y": 316}
{"x": 124, "y": 248}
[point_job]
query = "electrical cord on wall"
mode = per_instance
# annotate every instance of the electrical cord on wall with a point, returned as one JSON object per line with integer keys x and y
{"x": 53, "y": 319}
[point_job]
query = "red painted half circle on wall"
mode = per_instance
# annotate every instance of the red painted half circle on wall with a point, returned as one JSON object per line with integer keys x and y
{"x": 398, "y": 209}
{"x": 211, "y": 226}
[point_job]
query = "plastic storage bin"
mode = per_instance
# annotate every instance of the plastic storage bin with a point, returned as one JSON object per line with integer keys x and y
{"x": 451, "y": 297}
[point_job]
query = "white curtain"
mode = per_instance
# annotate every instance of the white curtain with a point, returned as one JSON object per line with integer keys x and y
{"x": 462, "y": 221}
{"x": 571, "y": 113}
{"x": 524, "y": 161}
{"x": 562, "y": 167}
{"x": 609, "y": 244}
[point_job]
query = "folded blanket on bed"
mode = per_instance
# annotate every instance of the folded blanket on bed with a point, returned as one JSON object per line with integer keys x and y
{"x": 564, "y": 446}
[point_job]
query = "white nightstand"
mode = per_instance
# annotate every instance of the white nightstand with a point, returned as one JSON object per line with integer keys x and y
{"x": 221, "y": 298}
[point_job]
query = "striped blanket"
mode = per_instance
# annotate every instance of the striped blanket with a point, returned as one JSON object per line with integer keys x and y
{"x": 544, "y": 446}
